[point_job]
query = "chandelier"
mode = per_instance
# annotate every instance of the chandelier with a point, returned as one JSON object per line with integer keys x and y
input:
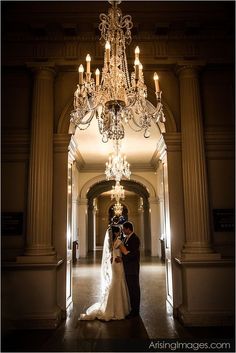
{"x": 118, "y": 209}
{"x": 113, "y": 96}
{"x": 117, "y": 165}
{"x": 117, "y": 192}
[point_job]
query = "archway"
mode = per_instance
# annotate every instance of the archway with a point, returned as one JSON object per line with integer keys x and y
{"x": 98, "y": 188}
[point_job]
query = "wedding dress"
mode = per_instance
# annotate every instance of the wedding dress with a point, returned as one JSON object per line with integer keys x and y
{"x": 114, "y": 303}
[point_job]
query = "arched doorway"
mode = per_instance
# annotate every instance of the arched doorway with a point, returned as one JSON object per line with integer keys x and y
{"x": 129, "y": 185}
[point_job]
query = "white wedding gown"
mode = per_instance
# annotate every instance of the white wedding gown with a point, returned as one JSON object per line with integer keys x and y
{"x": 115, "y": 303}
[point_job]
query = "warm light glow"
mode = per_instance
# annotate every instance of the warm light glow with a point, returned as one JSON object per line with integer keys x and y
{"x": 117, "y": 192}
{"x": 137, "y": 51}
{"x": 107, "y": 45}
{"x": 117, "y": 166}
{"x": 155, "y": 76}
{"x": 97, "y": 73}
{"x": 81, "y": 68}
{"x": 156, "y": 80}
{"x": 88, "y": 58}
{"x": 118, "y": 208}
{"x": 115, "y": 98}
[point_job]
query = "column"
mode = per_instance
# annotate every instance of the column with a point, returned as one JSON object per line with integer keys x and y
{"x": 39, "y": 217}
{"x": 196, "y": 205}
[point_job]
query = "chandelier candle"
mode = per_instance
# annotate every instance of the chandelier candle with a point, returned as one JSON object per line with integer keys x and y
{"x": 137, "y": 51}
{"x": 81, "y": 72}
{"x": 108, "y": 48}
{"x": 156, "y": 80}
{"x": 97, "y": 73}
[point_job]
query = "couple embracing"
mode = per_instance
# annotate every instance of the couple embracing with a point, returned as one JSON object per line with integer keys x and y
{"x": 120, "y": 295}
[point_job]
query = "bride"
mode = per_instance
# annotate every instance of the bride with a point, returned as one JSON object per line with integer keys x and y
{"x": 114, "y": 302}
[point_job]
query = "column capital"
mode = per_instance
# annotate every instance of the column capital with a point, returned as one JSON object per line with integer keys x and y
{"x": 189, "y": 68}
{"x": 170, "y": 142}
{"x": 82, "y": 202}
{"x": 154, "y": 201}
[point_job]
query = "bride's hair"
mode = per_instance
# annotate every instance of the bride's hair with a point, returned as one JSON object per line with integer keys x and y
{"x": 114, "y": 229}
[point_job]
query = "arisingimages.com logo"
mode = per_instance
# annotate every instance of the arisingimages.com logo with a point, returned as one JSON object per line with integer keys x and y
{"x": 172, "y": 346}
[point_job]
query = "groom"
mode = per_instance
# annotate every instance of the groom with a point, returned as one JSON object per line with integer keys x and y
{"x": 131, "y": 267}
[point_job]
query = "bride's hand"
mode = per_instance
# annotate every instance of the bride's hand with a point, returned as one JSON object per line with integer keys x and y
{"x": 118, "y": 259}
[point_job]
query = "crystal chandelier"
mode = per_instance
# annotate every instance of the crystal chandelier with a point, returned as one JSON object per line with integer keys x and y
{"x": 117, "y": 165}
{"x": 113, "y": 96}
{"x": 118, "y": 209}
{"x": 117, "y": 192}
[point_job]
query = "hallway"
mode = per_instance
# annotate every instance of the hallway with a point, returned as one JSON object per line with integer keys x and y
{"x": 155, "y": 321}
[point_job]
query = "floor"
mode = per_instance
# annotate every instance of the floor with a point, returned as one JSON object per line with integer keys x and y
{"x": 155, "y": 321}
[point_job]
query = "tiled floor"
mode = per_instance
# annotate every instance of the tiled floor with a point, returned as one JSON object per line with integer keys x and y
{"x": 155, "y": 321}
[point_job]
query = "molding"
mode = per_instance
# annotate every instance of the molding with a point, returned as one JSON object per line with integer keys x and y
{"x": 169, "y": 142}
{"x": 47, "y": 321}
{"x": 220, "y": 144}
{"x": 222, "y": 139}
{"x": 100, "y": 167}
{"x": 101, "y": 178}
{"x": 174, "y": 47}
{"x": 74, "y": 150}
{"x": 15, "y": 142}
{"x": 61, "y": 143}
{"x": 31, "y": 265}
{"x": 205, "y": 262}
{"x": 205, "y": 318}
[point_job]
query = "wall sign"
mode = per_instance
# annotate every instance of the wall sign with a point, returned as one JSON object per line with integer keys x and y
{"x": 224, "y": 220}
{"x": 12, "y": 223}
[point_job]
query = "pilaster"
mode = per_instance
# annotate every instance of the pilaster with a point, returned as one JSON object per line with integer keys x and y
{"x": 196, "y": 203}
{"x": 39, "y": 216}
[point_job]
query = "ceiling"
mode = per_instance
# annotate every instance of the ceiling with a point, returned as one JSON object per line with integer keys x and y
{"x": 140, "y": 151}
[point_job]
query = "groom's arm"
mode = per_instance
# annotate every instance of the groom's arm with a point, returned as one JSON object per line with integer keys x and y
{"x": 133, "y": 250}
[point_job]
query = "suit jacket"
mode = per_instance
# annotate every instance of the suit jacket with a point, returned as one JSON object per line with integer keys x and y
{"x": 131, "y": 261}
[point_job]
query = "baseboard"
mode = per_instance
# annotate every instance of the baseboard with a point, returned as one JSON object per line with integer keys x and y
{"x": 49, "y": 321}
{"x": 204, "y": 318}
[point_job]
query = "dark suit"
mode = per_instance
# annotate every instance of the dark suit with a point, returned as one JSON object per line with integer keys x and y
{"x": 131, "y": 263}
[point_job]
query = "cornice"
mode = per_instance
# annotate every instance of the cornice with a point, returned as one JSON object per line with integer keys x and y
{"x": 222, "y": 138}
{"x": 61, "y": 142}
{"x": 100, "y": 168}
{"x": 15, "y": 142}
{"x": 220, "y": 145}
{"x": 154, "y": 50}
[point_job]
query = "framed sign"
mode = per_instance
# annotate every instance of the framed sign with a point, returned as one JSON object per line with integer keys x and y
{"x": 12, "y": 223}
{"x": 224, "y": 220}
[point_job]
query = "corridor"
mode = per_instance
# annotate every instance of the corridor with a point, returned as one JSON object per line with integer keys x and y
{"x": 155, "y": 321}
